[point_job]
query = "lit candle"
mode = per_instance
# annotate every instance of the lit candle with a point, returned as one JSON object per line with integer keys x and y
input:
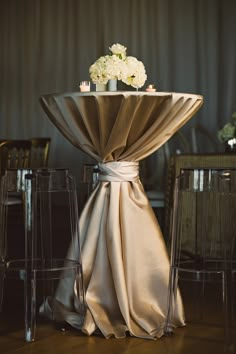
{"x": 84, "y": 86}
{"x": 151, "y": 88}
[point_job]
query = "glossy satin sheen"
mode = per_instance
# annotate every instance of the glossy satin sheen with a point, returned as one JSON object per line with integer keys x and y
{"x": 125, "y": 262}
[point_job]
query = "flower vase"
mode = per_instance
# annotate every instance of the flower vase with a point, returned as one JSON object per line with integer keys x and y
{"x": 101, "y": 87}
{"x": 112, "y": 85}
{"x": 230, "y": 145}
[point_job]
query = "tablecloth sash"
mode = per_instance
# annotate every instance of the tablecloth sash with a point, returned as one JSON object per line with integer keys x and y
{"x": 119, "y": 171}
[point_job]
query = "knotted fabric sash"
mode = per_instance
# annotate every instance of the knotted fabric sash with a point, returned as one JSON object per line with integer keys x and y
{"x": 119, "y": 171}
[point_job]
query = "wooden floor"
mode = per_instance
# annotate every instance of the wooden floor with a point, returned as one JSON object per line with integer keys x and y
{"x": 203, "y": 334}
{"x": 198, "y": 337}
{"x": 189, "y": 340}
{"x": 195, "y": 338}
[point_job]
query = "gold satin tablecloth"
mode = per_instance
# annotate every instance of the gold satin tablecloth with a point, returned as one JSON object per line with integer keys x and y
{"x": 125, "y": 262}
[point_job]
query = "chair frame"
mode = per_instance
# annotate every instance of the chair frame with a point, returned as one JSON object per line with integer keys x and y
{"x": 178, "y": 162}
{"x": 32, "y": 268}
{"x": 226, "y": 270}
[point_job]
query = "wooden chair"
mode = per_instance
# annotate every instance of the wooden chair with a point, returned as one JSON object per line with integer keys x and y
{"x": 14, "y": 154}
{"x": 179, "y": 162}
{"x": 39, "y": 152}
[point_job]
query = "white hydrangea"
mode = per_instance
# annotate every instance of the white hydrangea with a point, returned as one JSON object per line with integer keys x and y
{"x": 136, "y": 74}
{"x": 106, "y": 68}
{"x": 118, "y": 66}
{"x": 97, "y": 71}
{"x": 115, "y": 68}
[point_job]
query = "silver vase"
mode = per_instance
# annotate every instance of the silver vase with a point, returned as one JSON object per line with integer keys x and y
{"x": 112, "y": 85}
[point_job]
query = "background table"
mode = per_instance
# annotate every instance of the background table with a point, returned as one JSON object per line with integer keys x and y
{"x": 125, "y": 261}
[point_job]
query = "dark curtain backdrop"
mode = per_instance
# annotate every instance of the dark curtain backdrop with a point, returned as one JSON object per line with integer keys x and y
{"x": 48, "y": 45}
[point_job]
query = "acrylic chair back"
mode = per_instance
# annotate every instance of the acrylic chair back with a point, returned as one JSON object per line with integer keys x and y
{"x": 203, "y": 248}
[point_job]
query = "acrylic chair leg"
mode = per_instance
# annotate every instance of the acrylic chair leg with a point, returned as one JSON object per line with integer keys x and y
{"x": 30, "y": 258}
{"x": 74, "y": 217}
{"x": 30, "y": 306}
{"x": 45, "y": 207}
{"x": 171, "y": 301}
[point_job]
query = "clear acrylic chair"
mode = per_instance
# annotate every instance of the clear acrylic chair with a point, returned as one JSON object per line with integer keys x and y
{"x": 203, "y": 254}
{"x": 193, "y": 161}
{"x": 50, "y": 212}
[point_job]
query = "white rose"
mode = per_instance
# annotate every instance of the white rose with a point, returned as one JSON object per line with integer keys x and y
{"x": 118, "y": 50}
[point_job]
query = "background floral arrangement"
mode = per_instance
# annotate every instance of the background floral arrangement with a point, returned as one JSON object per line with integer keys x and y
{"x": 118, "y": 66}
{"x": 228, "y": 131}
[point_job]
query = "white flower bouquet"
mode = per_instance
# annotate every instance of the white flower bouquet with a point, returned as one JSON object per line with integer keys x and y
{"x": 118, "y": 66}
{"x": 228, "y": 131}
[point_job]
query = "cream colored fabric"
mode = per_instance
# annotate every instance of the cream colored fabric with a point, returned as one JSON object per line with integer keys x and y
{"x": 120, "y": 171}
{"x": 125, "y": 261}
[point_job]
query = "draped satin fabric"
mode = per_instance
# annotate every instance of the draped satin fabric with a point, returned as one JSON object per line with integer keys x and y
{"x": 125, "y": 261}
{"x": 120, "y": 171}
